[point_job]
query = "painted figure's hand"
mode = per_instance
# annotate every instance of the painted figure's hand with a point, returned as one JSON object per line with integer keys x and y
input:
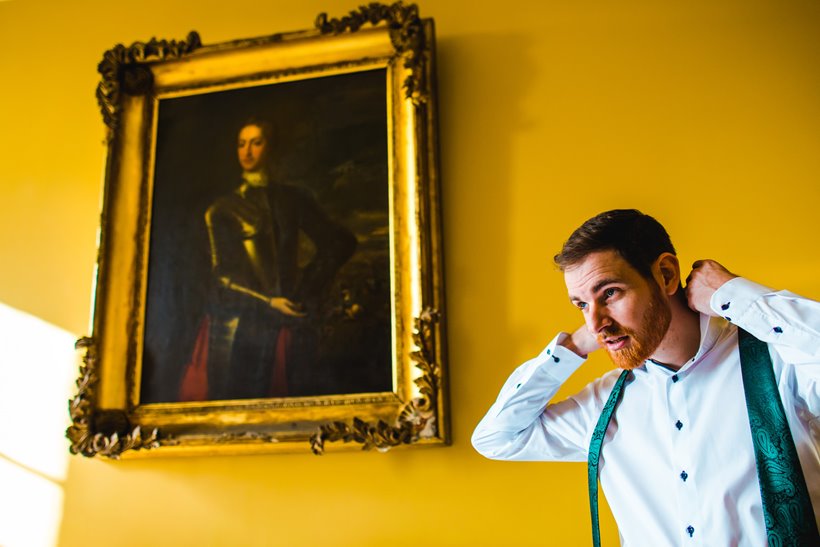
{"x": 707, "y": 276}
{"x": 286, "y": 306}
{"x": 581, "y": 342}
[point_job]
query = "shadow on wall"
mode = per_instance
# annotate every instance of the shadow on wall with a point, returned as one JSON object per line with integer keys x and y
{"x": 483, "y": 81}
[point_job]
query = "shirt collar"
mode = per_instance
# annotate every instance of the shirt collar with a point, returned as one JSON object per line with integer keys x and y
{"x": 711, "y": 329}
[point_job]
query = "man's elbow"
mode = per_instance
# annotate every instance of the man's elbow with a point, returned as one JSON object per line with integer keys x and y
{"x": 485, "y": 443}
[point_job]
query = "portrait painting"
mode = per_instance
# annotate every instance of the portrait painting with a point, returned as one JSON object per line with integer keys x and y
{"x": 279, "y": 285}
{"x": 269, "y": 274}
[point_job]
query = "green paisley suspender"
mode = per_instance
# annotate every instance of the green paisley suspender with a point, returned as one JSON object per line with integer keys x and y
{"x": 595, "y": 453}
{"x": 787, "y": 509}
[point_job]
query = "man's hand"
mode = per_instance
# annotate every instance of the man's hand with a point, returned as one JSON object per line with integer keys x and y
{"x": 707, "y": 276}
{"x": 581, "y": 342}
{"x": 286, "y": 306}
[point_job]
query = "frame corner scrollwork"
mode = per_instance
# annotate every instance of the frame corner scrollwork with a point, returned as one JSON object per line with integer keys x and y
{"x": 84, "y": 432}
{"x": 121, "y": 69}
{"x": 418, "y": 418}
{"x": 406, "y": 33}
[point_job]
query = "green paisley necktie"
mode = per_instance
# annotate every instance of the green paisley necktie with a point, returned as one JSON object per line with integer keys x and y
{"x": 787, "y": 509}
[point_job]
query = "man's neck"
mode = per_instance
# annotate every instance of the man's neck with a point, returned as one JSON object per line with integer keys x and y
{"x": 258, "y": 179}
{"x": 682, "y": 339}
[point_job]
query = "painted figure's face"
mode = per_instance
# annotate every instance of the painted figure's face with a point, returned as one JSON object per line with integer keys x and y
{"x": 252, "y": 148}
{"x": 626, "y": 312}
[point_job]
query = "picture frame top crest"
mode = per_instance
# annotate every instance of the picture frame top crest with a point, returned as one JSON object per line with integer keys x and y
{"x": 122, "y": 71}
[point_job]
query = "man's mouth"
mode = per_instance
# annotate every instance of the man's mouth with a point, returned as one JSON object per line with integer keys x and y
{"x": 615, "y": 343}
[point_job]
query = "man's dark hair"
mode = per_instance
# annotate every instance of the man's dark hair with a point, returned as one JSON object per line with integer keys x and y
{"x": 638, "y": 238}
{"x": 268, "y": 129}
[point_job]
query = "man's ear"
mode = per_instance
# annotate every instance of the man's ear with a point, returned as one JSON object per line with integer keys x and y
{"x": 666, "y": 270}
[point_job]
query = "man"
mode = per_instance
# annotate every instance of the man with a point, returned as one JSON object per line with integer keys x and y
{"x": 259, "y": 333}
{"x": 678, "y": 462}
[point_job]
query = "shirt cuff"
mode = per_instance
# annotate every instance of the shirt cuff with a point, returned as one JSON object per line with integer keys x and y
{"x": 560, "y": 362}
{"x": 734, "y": 297}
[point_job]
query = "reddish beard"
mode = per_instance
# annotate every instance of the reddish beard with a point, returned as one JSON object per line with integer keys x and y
{"x": 644, "y": 341}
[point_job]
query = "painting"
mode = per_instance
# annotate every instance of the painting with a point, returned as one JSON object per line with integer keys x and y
{"x": 315, "y": 235}
{"x": 269, "y": 274}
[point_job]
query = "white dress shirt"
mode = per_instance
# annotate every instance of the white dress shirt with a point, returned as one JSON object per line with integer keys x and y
{"x": 677, "y": 464}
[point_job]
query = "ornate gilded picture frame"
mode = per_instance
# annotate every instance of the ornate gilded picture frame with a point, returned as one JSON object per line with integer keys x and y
{"x": 269, "y": 274}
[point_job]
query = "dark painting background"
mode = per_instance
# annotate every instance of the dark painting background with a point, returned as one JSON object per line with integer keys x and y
{"x": 331, "y": 140}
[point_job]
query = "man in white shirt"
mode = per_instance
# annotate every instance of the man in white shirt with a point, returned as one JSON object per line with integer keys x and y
{"x": 678, "y": 463}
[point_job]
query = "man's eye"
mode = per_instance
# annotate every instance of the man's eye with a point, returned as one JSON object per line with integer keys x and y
{"x": 610, "y": 292}
{"x": 581, "y": 305}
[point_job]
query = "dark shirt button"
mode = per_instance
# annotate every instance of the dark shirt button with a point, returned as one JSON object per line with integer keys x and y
{"x": 778, "y": 330}
{"x": 556, "y": 359}
{"x": 675, "y": 378}
{"x": 684, "y": 475}
{"x": 518, "y": 386}
{"x": 729, "y": 319}
{"x": 679, "y": 425}
{"x": 725, "y": 306}
{"x": 690, "y": 531}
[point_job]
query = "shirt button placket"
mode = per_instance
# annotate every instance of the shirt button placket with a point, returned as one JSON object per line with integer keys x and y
{"x": 682, "y": 456}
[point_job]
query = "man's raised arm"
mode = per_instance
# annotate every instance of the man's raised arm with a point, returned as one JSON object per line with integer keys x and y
{"x": 791, "y": 323}
{"x": 521, "y": 426}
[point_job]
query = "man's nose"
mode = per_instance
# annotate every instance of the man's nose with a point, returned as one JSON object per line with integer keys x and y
{"x": 597, "y": 319}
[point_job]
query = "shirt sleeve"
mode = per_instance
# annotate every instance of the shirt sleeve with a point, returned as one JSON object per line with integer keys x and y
{"x": 521, "y": 425}
{"x": 789, "y": 322}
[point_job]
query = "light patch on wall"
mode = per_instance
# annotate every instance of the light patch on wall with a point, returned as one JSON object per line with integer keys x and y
{"x": 37, "y": 369}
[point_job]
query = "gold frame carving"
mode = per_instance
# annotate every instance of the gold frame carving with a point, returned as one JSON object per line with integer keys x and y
{"x": 107, "y": 415}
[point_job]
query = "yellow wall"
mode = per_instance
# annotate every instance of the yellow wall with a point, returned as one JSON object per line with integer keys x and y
{"x": 703, "y": 113}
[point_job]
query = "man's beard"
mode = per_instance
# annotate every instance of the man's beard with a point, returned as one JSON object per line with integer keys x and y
{"x": 643, "y": 342}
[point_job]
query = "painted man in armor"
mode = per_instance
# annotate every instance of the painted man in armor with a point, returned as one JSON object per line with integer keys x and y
{"x": 264, "y": 292}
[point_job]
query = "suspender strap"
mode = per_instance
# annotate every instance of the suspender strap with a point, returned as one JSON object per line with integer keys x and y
{"x": 787, "y": 508}
{"x": 595, "y": 453}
